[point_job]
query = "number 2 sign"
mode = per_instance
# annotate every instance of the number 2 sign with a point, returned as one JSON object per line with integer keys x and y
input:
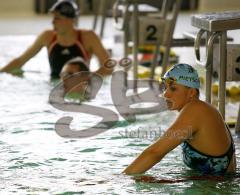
{"x": 152, "y": 30}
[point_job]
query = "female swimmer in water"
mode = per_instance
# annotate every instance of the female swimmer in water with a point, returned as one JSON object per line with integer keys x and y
{"x": 64, "y": 42}
{"x": 207, "y": 144}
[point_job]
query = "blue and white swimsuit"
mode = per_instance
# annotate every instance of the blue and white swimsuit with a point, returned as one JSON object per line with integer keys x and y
{"x": 204, "y": 163}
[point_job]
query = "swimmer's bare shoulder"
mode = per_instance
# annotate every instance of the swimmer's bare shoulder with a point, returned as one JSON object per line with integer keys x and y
{"x": 197, "y": 108}
{"x": 46, "y": 37}
{"x": 89, "y": 38}
{"x": 85, "y": 33}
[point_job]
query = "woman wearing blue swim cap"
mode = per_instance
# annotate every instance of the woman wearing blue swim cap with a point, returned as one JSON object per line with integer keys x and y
{"x": 64, "y": 42}
{"x": 207, "y": 144}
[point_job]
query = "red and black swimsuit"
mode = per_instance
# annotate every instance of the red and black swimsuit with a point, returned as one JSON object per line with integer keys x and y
{"x": 58, "y": 55}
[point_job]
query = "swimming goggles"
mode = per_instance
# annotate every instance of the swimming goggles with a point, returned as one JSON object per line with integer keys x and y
{"x": 168, "y": 80}
{"x": 163, "y": 82}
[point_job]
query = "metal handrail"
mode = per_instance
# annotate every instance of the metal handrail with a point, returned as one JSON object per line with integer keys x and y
{"x": 209, "y": 47}
{"x": 117, "y": 24}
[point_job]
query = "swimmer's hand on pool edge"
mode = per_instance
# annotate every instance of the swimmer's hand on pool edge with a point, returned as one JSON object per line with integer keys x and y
{"x": 15, "y": 71}
{"x": 14, "y": 67}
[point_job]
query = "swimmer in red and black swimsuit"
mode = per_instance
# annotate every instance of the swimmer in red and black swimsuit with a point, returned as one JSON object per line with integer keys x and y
{"x": 59, "y": 54}
{"x": 64, "y": 42}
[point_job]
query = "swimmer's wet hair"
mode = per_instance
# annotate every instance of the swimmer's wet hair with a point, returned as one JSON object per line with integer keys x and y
{"x": 79, "y": 62}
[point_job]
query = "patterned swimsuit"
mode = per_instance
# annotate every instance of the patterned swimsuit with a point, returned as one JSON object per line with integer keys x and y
{"x": 204, "y": 163}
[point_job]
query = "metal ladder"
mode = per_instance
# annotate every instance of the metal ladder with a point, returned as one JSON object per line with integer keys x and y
{"x": 216, "y": 25}
{"x": 166, "y": 18}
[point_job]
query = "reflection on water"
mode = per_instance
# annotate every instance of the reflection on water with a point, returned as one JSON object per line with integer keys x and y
{"x": 35, "y": 160}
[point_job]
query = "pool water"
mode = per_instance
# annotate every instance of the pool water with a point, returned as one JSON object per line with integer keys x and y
{"x": 35, "y": 160}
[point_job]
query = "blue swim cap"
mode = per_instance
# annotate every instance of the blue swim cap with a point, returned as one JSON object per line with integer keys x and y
{"x": 184, "y": 74}
{"x": 67, "y": 8}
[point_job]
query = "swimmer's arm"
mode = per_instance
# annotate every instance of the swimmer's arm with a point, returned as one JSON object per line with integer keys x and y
{"x": 101, "y": 53}
{"x": 175, "y": 135}
{"x": 15, "y": 65}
